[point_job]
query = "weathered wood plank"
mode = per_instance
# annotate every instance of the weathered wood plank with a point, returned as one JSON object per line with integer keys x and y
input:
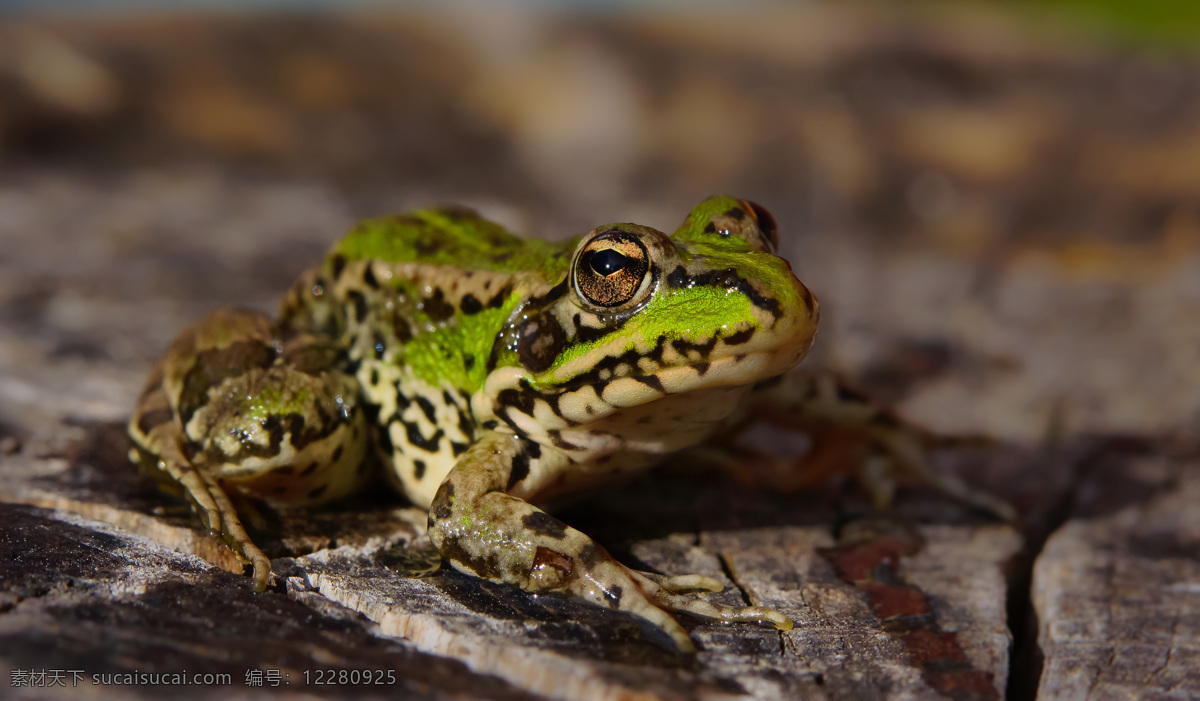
{"x": 84, "y": 603}
{"x": 1117, "y": 588}
{"x": 844, "y": 645}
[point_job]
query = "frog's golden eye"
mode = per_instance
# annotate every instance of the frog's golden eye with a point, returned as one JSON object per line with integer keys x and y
{"x": 611, "y": 269}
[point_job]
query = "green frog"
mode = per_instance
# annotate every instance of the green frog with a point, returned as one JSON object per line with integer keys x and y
{"x": 489, "y": 375}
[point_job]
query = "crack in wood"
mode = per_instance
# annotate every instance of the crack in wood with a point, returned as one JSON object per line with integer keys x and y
{"x": 727, "y": 568}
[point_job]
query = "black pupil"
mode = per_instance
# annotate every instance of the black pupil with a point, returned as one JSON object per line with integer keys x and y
{"x": 608, "y": 261}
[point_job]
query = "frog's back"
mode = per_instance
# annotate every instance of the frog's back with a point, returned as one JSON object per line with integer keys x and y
{"x": 417, "y": 301}
{"x": 453, "y": 237}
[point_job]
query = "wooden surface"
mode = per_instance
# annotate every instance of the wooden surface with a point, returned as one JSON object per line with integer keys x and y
{"x": 1001, "y": 224}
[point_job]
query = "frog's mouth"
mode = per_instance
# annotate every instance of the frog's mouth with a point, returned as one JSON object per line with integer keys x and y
{"x": 616, "y": 382}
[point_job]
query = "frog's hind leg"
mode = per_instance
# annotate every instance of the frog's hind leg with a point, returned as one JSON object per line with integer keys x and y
{"x": 480, "y": 525}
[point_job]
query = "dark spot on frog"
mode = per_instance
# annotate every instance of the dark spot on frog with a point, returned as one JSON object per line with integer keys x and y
{"x": 518, "y": 471}
{"x": 436, "y": 306}
{"x": 701, "y": 368}
{"x": 710, "y": 228}
{"x": 556, "y": 438}
{"x": 312, "y": 467}
{"x": 541, "y": 523}
{"x": 587, "y": 334}
{"x": 533, "y": 450}
{"x": 613, "y": 595}
{"x": 441, "y": 508}
{"x": 497, "y": 299}
{"x": 384, "y": 439}
{"x": 154, "y": 418}
{"x": 468, "y": 361}
{"x": 470, "y": 304}
{"x": 652, "y": 382}
{"x": 337, "y": 454}
{"x": 545, "y": 557}
{"x": 808, "y": 297}
{"x": 400, "y": 326}
{"x": 429, "y": 445}
{"x": 556, "y": 293}
{"x": 418, "y": 469}
{"x": 539, "y": 341}
{"x": 369, "y": 278}
{"x": 739, "y": 338}
{"x": 359, "y": 304}
{"x": 592, "y": 554}
{"x": 464, "y": 425}
{"x": 402, "y": 400}
{"x": 317, "y": 492}
{"x": 284, "y": 470}
{"x": 374, "y": 376}
{"x": 458, "y": 448}
{"x": 427, "y": 408}
{"x": 338, "y": 265}
{"x": 736, "y": 214}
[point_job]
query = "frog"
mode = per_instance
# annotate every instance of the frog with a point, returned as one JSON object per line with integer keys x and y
{"x": 488, "y": 376}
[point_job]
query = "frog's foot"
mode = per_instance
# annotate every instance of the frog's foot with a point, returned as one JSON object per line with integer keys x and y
{"x": 850, "y": 434}
{"x": 212, "y": 504}
{"x": 672, "y": 598}
{"x": 904, "y": 449}
{"x": 221, "y": 518}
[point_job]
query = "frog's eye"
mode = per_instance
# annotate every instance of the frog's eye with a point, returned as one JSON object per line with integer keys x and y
{"x": 611, "y": 269}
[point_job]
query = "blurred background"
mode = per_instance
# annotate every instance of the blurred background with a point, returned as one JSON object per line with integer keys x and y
{"x": 998, "y": 204}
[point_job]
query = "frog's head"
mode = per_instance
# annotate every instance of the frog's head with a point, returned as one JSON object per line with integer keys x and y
{"x": 640, "y": 315}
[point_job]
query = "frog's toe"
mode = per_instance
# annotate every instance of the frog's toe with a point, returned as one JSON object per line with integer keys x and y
{"x": 221, "y": 517}
{"x": 262, "y": 566}
{"x": 726, "y": 614}
{"x": 906, "y": 452}
{"x": 683, "y": 584}
{"x": 670, "y": 600}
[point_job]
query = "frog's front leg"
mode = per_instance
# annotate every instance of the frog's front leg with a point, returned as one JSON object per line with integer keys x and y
{"x": 481, "y": 529}
{"x": 846, "y": 426}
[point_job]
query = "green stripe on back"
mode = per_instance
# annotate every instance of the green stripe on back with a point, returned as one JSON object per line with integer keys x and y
{"x": 455, "y": 237}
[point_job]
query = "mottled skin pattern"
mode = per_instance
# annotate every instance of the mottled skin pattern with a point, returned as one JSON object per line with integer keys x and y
{"x": 489, "y": 374}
